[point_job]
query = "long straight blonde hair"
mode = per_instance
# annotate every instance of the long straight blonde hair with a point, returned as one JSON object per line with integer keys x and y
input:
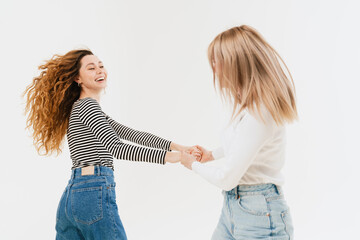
{"x": 248, "y": 72}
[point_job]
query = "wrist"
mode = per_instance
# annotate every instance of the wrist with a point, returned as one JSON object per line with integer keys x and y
{"x": 172, "y": 157}
{"x": 211, "y": 156}
{"x": 176, "y": 147}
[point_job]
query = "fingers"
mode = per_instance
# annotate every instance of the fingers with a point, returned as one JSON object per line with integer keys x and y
{"x": 197, "y": 155}
{"x": 200, "y": 148}
{"x": 186, "y": 155}
{"x": 196, "y": 151}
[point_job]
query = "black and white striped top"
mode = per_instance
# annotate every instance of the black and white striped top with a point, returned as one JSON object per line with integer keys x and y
{"x": 94, "y": 138}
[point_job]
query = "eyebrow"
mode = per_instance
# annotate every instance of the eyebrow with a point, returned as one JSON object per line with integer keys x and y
{"x": 92, "y": 63}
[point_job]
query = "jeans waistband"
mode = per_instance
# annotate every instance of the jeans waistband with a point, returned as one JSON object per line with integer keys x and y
{"x": 255, "y": 189}
{"x": 98, "y": 171}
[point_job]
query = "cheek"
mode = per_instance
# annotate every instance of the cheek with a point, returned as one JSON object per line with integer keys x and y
{"x": 83, "y": 74}
{"x": 88, "y": 75}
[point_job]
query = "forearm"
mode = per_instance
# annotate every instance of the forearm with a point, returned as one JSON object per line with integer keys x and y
{"x": 138, "y": 137}
{"x": 172, "y": 157}
{"x": 131, "y": 152}
{"x": 177, "y": 147}
{"x": 217, "y": 153}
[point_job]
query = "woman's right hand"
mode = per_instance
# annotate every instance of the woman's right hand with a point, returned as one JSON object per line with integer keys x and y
{"x": 206, "y": 155}
{"x": 194, "y": 151}
{"x": 187, "y": 159}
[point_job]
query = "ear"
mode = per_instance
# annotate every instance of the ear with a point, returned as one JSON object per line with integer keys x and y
{"x": 77, "y": 79}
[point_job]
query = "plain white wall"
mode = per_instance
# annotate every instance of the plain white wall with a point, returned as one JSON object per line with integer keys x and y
{"x": 160, "y": 82}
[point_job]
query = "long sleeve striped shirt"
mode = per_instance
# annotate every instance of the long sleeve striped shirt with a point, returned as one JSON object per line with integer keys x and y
{"x": 94, "y": 138}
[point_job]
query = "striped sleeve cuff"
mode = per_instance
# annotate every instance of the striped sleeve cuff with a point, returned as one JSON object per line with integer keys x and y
{"x": 162, "y": 158}
{"x": 168, "y": 146}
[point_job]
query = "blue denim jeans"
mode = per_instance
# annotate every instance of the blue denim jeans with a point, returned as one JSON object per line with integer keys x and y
{"x": 87, "y": 208}
{"x": 254, "y": 212}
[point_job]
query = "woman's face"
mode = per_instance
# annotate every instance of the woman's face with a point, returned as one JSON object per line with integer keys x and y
{"x": 92, "y": 74}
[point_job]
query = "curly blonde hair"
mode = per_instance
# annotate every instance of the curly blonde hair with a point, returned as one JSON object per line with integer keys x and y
{"x": 49, "y": 100}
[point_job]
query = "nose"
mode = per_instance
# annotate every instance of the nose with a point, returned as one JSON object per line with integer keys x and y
{"x": 100, "y": 70}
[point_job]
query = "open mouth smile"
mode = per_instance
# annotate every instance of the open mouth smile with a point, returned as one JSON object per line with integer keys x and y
{"x": 100, "y": 79}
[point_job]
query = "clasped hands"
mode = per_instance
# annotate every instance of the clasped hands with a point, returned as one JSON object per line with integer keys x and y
{"x": 195, "y": 153}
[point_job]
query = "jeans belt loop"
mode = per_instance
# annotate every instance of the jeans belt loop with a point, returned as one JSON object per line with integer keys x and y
{"x": 97, "y": 169}
{"x": 72, "y": 175}
{"x": 237, "y": 196}
{"x": 278, "y": 189}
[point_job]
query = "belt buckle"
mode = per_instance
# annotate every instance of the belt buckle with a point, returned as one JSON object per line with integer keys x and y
{"x": 89, "y": 170}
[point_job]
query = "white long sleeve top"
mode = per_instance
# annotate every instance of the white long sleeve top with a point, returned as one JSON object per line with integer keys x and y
{"x": 253, "y": 153}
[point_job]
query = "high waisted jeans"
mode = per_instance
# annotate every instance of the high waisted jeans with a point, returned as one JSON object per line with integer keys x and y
{"x": 87, "y": 208}
{"x": 254, "y": 212}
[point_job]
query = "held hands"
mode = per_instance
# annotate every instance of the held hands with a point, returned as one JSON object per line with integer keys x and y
{"x": 195, "y": 153}
{"x": 188, "y": 155}
{"x": 187, "y": 159}
{"x": 183, "y": 153}
{"x": 205, "y": 156}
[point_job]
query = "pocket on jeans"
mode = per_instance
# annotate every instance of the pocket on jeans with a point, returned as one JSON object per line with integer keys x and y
{"x": 86, "y": 204}
{"x": 253, "y": 204}
{"x": 286, "y": 218}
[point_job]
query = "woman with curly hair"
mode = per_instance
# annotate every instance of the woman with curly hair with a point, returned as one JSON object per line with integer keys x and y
{"x": 64, "y": 100}
{"x": 249, "y": 74}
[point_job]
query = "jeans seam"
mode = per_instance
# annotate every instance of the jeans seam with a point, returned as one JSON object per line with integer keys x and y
{"x": 232, "y": 229}
{"x": 59, "y": 206}
{"x": 67, "y": 198}
{"x": 262, "y": 192}
{"x": 88, "y": 181}
{"x": 283, "y": 214}
{"x": 268, "y": 199}
{"x": 111, "y": 213}
{"x": 270, "y": 218}
{"x": 86, "y": 189}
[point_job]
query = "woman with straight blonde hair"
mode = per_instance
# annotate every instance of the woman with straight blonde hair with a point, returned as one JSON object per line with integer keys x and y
{"x": 250, "y": 75}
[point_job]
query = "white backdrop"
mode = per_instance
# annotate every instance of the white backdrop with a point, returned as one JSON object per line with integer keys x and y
{"x": 160, "y": 82}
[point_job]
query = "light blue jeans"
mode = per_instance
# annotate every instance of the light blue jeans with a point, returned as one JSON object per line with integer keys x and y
{"x": 87, "y": 208}
{"x": 254, "y": 212}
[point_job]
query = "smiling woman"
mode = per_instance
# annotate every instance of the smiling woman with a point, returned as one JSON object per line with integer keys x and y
{"x": 92, "y": 76}
{"x": 64, "y": 99}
